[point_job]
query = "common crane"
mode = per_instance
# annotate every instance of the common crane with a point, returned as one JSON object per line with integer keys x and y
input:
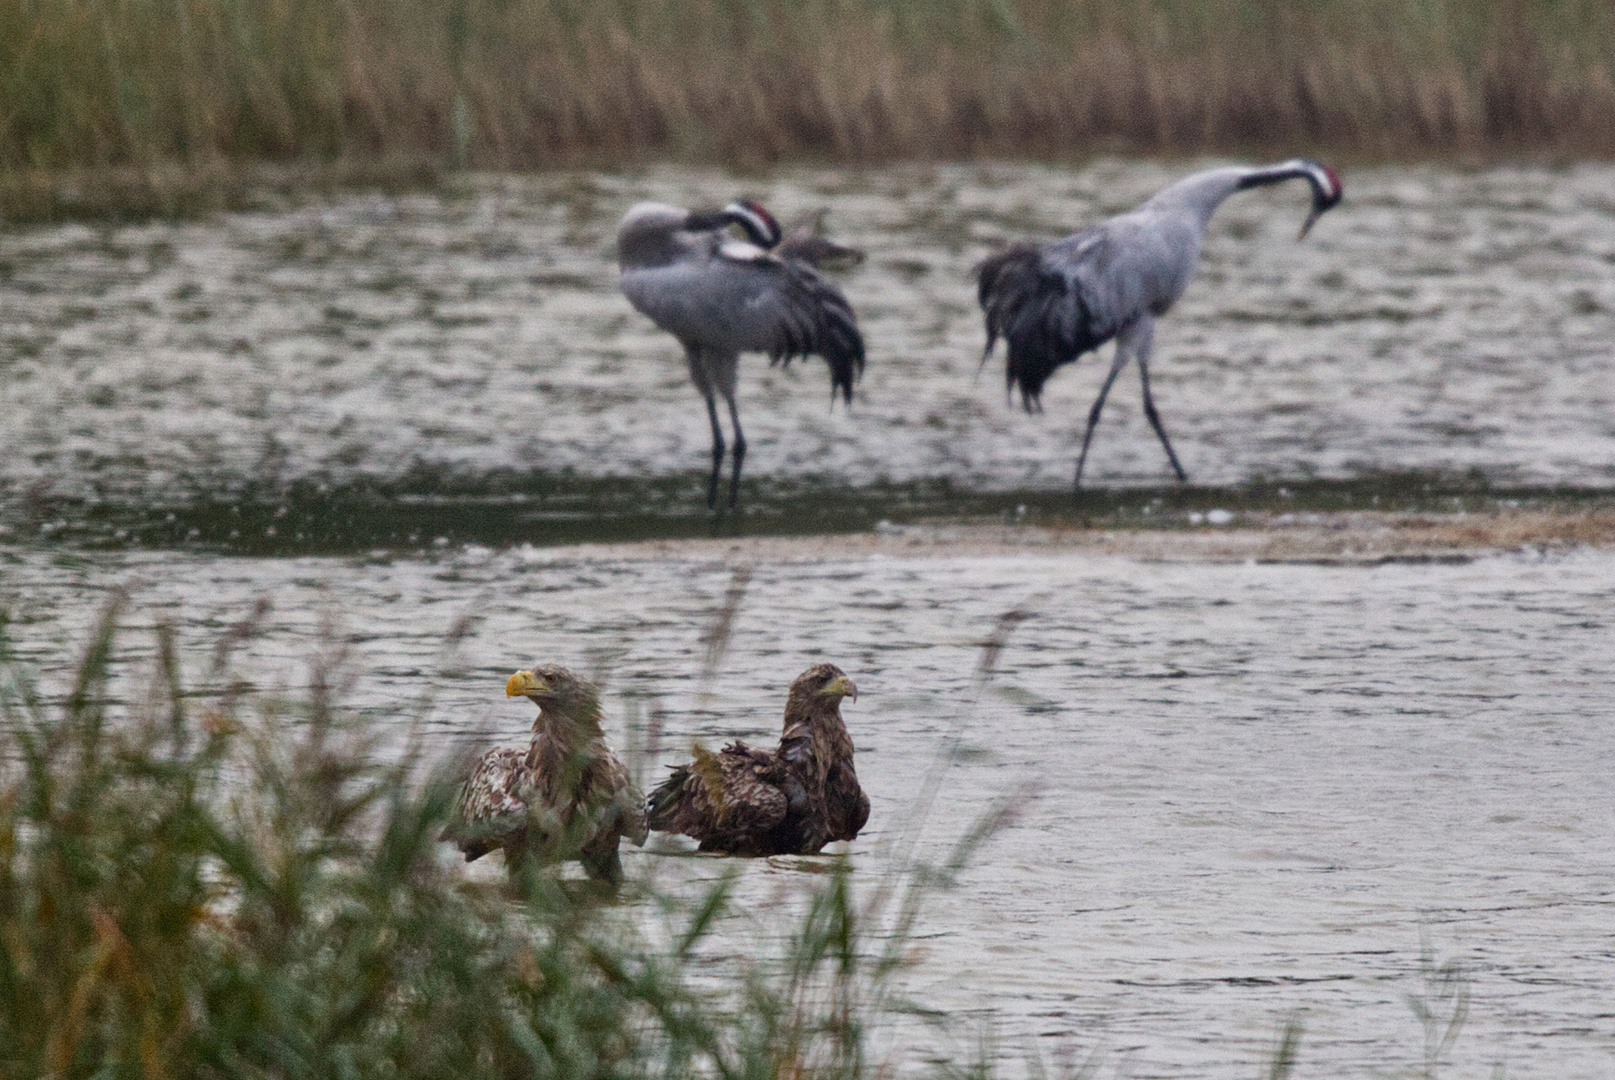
{"x": 721, "y": 296}
{"x": 1053, "y": 302}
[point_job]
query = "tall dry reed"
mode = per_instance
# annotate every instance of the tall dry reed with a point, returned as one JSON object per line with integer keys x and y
{"x": 203, "y": 86}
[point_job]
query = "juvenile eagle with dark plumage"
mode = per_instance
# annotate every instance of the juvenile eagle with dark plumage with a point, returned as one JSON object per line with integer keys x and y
{"x": 567, "y": 796}
{"x": 791, "y": 800}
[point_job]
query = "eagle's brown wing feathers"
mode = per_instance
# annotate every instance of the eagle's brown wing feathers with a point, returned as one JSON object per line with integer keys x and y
{"x": 846, "y": 806}
{"x": 752, "y": 802}
{"x": 491, "y": 812}
{"x": 625, "y": 811}
{"x": 720, "y": 799}
{"x": 505, "y": 799}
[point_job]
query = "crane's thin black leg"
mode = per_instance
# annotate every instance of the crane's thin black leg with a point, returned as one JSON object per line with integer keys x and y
{"x": 717, "y": 452}
{"x": 740, "y": 452}
{"x": 1155, "y": 417}
{"x": 1116, "y": 366}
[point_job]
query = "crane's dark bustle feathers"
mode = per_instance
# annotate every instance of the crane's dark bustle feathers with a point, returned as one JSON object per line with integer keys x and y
{"x": 804, "y": 241}
{"x": 1040, "y": 313}
{"x": 820, "y": 321}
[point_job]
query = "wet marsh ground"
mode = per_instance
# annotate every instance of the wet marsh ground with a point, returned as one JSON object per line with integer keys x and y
{"x": 1347, "y": 694}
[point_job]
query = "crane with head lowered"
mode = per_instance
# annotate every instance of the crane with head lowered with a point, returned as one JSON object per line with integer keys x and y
{"x": 1053, "y": 302}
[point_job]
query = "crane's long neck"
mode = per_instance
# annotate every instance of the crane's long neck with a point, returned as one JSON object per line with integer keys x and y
{"x": 1198, "y": 195}
{"x": 1324, "y": 183}
{"x": 1201, "y": 193}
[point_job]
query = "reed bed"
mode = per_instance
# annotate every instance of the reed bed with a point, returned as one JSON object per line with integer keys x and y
{"x": 176, "y": 97}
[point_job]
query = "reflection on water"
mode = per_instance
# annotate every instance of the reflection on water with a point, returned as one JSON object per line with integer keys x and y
{"x": 1258, "y": 786}
{"x": 1437, "y": 320}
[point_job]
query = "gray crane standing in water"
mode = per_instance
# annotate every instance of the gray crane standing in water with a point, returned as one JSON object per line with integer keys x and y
{"x": 1053, "y": 302}
{"x": 721, "y": 296}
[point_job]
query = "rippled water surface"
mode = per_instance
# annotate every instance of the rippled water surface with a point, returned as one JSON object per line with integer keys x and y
{"x": 1257, "y": 787}
{"x": 1435, "y": 320}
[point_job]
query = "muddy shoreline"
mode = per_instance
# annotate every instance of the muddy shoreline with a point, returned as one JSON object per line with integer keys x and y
{"x": 1356, "y": 538}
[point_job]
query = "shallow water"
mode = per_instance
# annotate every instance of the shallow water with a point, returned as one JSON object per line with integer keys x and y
{"x": 1257, "y": 787}
{"x": 1437, "y": 320}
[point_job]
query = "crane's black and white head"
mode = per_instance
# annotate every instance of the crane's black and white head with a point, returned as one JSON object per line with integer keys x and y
{"x": 655, "y": 234}
{"x": 1326, "y": 188}
{"x": 757, "y": 223}
{"x": 1326, "y": 191}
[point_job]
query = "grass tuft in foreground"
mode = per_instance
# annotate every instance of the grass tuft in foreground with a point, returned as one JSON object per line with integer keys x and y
{"x": 237, "y": 888}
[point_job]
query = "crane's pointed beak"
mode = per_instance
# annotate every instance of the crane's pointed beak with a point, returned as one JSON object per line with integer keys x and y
{"x": 1306, "y": 226}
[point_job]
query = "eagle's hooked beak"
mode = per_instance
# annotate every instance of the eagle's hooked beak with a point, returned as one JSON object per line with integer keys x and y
{"x": 520, "y": 684}
{"x": 841, "y": 686}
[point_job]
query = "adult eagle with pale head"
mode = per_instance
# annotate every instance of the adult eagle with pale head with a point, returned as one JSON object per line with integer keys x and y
{"x": 791, "y": 800}
{"x": 567, "y": 796}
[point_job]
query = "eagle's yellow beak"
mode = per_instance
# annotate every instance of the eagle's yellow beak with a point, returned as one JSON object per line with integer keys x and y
{"x": 520, "y": 684}
{"x": 841, "y": 686}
